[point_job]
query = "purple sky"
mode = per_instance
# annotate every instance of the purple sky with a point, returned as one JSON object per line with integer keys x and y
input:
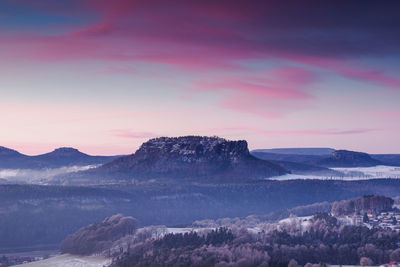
{"x": 104, "y": 76}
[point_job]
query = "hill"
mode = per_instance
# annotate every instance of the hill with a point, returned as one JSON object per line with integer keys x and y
{"x": 67, "y": 156}
{"x": 98, "y": 237}
{"x": 303, "y": 159}
{"x": 345, "y": 158}
{"x": 388, "y": 159}
{"x": 338, "y": 158}
{"x": 10, "y": 158}
{"x": 61, "y": 157}
{"x": 7, "y": 152}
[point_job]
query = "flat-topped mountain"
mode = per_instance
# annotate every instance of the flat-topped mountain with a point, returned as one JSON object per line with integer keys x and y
{"x": 345, "y": 158}
{"x": 65, "y": 151}
{"x": 191, "y": 157}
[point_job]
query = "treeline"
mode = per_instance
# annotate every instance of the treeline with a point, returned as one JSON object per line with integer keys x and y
{"x": 217, "y": 248}
{"x": 33, "y": 215}
{"x": 257, "y": 220}
{"x": 323, "y": 241}
{"x": 361, "y": 205}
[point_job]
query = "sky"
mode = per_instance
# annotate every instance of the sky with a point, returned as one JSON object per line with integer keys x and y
{"x": 105, "y": 76}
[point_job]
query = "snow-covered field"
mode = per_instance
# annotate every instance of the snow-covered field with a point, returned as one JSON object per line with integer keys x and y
{"x": 67, "y": 260}
{"x": 359, "y": 173}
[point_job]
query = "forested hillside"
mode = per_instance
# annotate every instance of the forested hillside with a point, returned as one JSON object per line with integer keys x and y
{"x": 45, "y": 215}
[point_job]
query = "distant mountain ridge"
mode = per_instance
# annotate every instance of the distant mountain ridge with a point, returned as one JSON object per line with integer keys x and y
{"x": 306, "y": 169}
{"x": 345, "y": 158}
{"x": 302, "y": 159}
{"x": 388, "y": 159}
{"x": 337, "y": 158}
{"x": 60, "y": 157}
{"x": 188, "y": 157}
{"x": 4, "y": 151}
{"x": 298, "y": 151}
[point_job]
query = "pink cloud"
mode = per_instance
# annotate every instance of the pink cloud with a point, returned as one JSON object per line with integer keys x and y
{"x": 348, "y": 69}
{"x": 265, "y": 107}
{"x": 125, "y": 133}
{"x": 366, "y": 74}
{"x": 307, "y": 132}
{"x": 385, "y": 114}
{"x": 101, "y": 29}
{"x": 273, "y": 94}
{"x": 130, "y": 31}
{"x": 261, "y": 90}
{"x": 197, "y": 44}
{"x": 119, "y": 70}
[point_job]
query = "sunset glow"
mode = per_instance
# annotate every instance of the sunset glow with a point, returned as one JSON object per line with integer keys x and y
{"x": 105, "y": 76}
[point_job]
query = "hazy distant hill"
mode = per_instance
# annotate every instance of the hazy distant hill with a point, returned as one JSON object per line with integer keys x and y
{"x": 302, "y": 168}
{"x": 10, "y": 158}
{"x": 189, "y": 157}
{"x": 66, "y": 156}
{"x": 345, "y": 158}
{"x": 337, "y": 158}
{"x": 61, "y": 157}
{"x": 298, "y": 151}
{"x": 303, "y": 159}
{"x": 7, "y": 152}
{"x": 388, "y": 159}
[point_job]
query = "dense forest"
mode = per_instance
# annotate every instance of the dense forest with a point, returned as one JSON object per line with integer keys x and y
{"x": 35, "y": 216}
{"x": 325, "y": 241}
{"x": 362, "y": 205}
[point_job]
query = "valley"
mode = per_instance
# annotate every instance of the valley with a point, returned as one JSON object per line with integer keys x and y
{"x": 180, "y": 185}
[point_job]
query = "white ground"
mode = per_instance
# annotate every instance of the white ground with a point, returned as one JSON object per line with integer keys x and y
{"x": 359, "y": 173}
{"x": 67, "y": 260}
{"x": 185, "y": 230}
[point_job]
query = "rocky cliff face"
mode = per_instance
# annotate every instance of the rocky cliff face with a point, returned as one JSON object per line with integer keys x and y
{"x": 193, "y": 149}
{"x": 345, "y": 158}
{"x": 193, "y": 157}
